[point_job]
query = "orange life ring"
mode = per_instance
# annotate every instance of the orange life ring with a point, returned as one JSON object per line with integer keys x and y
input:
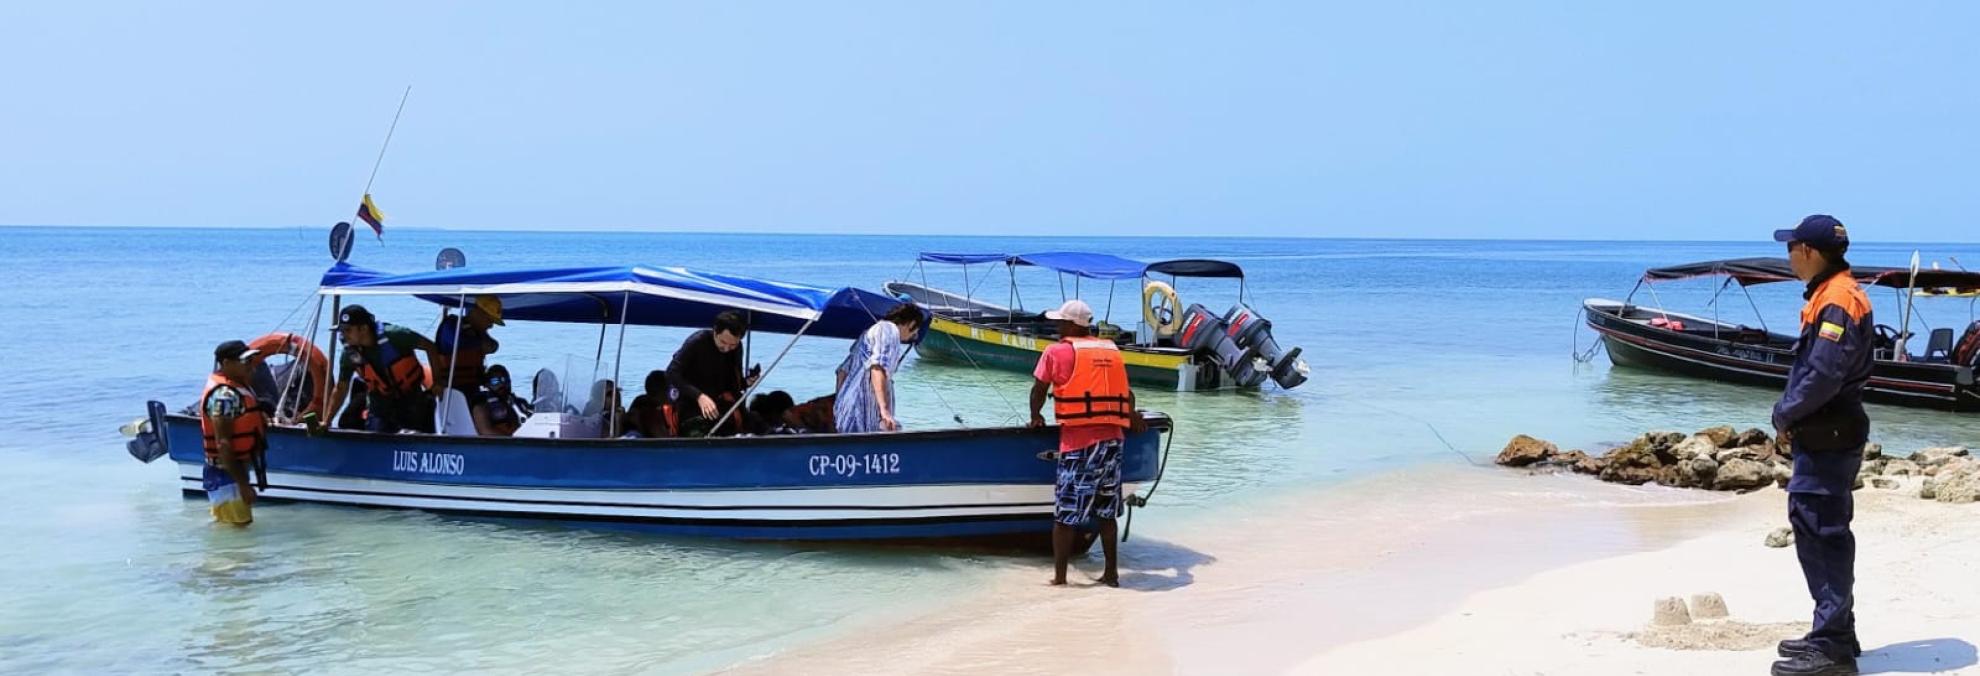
{"x": 298, "y": 347}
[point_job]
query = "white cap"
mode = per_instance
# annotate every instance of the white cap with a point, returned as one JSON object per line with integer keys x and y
{"x": 1075, "y": 311}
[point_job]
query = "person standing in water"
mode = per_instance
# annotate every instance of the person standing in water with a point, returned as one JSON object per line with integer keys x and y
{"x": 232, "y": 431}
{"x": 1821, "y": 418}
{"x": 865, "y": 400}
{"x": 1095, "y": 409}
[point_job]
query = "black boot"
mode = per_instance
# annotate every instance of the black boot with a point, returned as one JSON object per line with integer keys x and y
{"x": 1796, "y": 647}
{"x": 1814, "y": 664}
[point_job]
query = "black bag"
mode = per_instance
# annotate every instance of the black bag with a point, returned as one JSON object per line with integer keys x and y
{"x": 1833, "y": 429}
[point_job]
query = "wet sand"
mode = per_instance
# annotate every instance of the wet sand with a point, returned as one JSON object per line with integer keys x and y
{"x": 1428, "y": 570}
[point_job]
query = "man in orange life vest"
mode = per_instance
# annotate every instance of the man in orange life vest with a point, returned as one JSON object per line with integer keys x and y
{"x": 1820, "y": 416}
{"x": 1094, "y": 408}
{"x": 232, "y": 429}
{"x": 395, "y": 383}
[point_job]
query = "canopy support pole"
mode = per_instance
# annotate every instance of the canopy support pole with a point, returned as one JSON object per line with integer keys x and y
{"x": 330, "y": 407}
{"x": 294, "y": 383}
{"x": 1715, "y": 307}
{"x": 1110, "y": 301}
{"x": 604, "y": 322}
{"x": 1017, "y": 301}
{"x": 1660, "y": 303}
{"x": 1910, "y": 293}
{"x": 453, "y": 365}
{"x": 1756, "y": 308}
{"x": 766, "y": 374}
{"x": 618, "y": 356}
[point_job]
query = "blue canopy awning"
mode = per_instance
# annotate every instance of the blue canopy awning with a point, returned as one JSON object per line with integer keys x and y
{"x": 1083, "y": 264}
{"x": 640, "y": 295}
{"x": 1088, "y": 265}
{"x": 963, "y": 258}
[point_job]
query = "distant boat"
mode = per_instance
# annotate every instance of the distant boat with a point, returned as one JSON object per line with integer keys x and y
{"x": 1176, "y": 348}
{"x": 1700, "y": 347}
{"x": 978, "y": 483}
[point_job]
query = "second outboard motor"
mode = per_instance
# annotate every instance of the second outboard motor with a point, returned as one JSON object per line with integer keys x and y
{"x": 1254, "y": 334}
{"x": 1202, "y": 332}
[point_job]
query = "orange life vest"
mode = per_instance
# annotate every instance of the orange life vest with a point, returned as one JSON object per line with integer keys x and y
{"x": 249, "y": 428}
{"x": 464, "y": 368}
{"x": 407, "y": 376}
{"x": 1097, "y": 392}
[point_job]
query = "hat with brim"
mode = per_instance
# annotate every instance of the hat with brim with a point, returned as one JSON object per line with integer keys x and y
{"x": 1075, "y": 311}
{"x": 1821, "y": 231}
{"x": 234, "y": 350}
{"x": 491, "y": 306}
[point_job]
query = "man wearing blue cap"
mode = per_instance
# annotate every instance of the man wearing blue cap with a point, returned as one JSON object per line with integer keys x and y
{"x": 1821, "y": 418}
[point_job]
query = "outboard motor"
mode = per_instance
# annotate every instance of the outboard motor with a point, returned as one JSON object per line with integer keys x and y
{"x": 1254, "y": 334}
{"x": 1204, "y": 333}
{"x": 1967, "y": 351}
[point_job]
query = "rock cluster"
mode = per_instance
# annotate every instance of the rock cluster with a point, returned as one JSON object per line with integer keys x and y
{"x": 1722, "y": 459}
{"x": 1718, "y": 458}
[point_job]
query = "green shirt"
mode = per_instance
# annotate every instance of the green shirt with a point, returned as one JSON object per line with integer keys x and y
{"x": 403, "y": 341}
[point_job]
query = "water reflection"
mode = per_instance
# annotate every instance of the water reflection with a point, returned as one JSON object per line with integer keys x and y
{"x": 1653, "y": 400}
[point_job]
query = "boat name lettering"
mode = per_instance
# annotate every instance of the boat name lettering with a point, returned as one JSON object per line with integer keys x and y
{"x": 419, "y": 462}
{"x": 852, "y": 465}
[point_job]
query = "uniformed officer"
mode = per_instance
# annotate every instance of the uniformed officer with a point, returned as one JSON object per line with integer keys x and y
{"x": 1821, "y": 418}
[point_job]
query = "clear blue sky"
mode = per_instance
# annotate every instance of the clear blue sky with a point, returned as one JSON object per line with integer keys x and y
{"x": 1524, "y": 120}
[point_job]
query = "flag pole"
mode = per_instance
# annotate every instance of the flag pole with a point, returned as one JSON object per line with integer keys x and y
{"x": 383, "y": 146}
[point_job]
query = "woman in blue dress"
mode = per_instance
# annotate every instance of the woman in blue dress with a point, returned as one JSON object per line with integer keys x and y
{"x": 865, "y": 401}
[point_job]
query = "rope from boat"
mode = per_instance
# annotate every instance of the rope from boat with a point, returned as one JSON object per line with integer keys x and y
{"x": 1161, "y": 469}
{"x": 292, "y": 313}
{"x": 299, "y": 363}
{"x": 1433, "y": 429}
{"x": 1583, "y": 356}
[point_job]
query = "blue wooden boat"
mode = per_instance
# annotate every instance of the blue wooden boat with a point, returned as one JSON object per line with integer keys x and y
{"x": 949, "y": 483}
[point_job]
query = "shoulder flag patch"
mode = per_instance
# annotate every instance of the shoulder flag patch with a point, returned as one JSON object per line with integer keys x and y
{"x": 1830, "y": 331}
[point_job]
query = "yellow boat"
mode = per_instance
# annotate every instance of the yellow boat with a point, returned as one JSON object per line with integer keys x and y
{"x": 1178, "y": 349}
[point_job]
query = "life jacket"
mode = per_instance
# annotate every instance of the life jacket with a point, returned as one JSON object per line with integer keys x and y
{"x": 464, "y": 368}
{"x": 249, "y": 431}
{"x": 1097, "y": 392}
{"x": 404, "y": 376}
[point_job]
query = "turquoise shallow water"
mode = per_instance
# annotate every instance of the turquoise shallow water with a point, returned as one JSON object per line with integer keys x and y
{"x": 1414, "y": 343}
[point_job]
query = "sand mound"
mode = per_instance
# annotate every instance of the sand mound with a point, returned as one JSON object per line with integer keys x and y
{"x": 1725, "y": 635}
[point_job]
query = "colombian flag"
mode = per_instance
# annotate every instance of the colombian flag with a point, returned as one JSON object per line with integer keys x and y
{"x": 370, "y": 214}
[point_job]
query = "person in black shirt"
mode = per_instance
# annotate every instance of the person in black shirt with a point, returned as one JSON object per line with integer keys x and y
{"x": 706, "y": 375}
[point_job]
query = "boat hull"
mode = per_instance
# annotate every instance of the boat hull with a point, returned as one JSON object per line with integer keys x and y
{"x": 1634, "y": 344}
{"x": 985, "y": 483}
{"x": 986, "y": 346}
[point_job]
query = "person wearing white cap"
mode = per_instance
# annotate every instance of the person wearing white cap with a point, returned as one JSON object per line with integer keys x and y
{"x": 1095, "y": 411}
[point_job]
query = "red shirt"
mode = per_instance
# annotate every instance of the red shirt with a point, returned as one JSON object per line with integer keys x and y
{"x": 1056, "y": 367}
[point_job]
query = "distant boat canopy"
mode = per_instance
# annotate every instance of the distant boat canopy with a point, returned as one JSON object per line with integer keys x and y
{"x": 636, "y": 295}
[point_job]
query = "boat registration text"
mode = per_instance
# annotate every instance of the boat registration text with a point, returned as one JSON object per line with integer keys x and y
{"x": 852, "y": 465}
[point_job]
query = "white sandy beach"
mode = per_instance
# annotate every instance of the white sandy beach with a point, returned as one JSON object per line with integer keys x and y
{"x": 1445, "y": 571}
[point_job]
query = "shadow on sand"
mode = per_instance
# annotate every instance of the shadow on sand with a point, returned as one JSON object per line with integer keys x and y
{"x": 1918, "y": 657}
{"x": 1152, "y": 565}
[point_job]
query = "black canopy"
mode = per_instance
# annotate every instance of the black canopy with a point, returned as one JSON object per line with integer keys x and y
{"x": 1198, "y": 267}
{"x": 1750, "y": 271}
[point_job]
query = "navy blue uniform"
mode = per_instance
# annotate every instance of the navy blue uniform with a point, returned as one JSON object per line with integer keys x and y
{"x": 1822, "y": 413}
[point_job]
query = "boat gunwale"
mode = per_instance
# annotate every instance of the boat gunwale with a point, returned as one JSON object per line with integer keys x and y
{"x": 1157, "y": 421}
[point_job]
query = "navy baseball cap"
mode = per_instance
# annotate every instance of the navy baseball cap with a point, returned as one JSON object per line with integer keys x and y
{"x": 1821, "y": 231}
